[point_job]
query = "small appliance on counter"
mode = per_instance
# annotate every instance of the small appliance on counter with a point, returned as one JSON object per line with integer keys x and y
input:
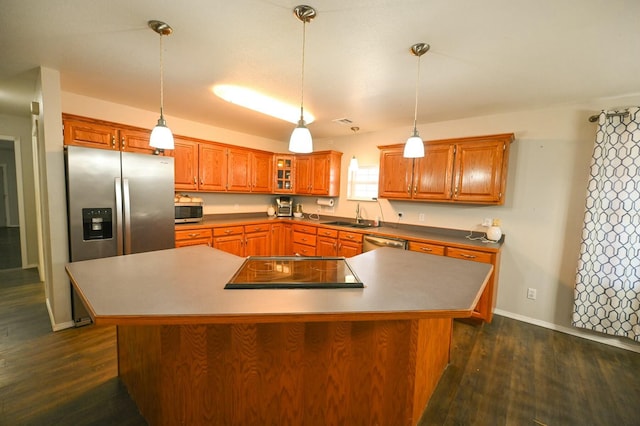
{"x": 284, "y": 206}
{"x": 188, "y": 209}
{"x": 298, "y": 211}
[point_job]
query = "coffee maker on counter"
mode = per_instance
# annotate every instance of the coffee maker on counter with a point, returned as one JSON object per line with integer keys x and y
{"x": 284, "y": 206}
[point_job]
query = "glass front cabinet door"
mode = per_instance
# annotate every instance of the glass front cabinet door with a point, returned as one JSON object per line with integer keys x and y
{"x": 284, "y": 173}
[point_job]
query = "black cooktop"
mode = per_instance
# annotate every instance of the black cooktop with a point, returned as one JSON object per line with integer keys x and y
{"x": 294, "y": 272}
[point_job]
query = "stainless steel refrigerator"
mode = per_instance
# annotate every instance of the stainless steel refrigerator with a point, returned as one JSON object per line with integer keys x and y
{"x": 118, "y": 203}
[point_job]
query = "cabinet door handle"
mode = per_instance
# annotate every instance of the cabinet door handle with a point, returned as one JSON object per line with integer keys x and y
{"x": 228, "y": 231}
{"x": 113, "y": 142}
{"x": 194, "y": 235}
{"x": 409, "y": 189}
{"x": 122, "y": 143}
{"x": 425, "y": 249}
{"x": 415, "y": 189}
{"x": 195, "y": 180}
{"x": 468, "y": 256}
{"x": 349, "y": 237}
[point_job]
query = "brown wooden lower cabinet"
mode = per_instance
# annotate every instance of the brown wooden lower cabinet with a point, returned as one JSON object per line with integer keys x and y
{"x": 284, "y": 373}
{"x": 304, "y": 240}
{"x": 350, "y": 243}
{"x": 327, "y": 242}
{"x": 229, "y": 239}
{"x": 257, "y": 240}
{"x": 193, "y": 237}
{"x": 486, "y": 304}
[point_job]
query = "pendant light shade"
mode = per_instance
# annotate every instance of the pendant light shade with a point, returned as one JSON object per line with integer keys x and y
{"x": 161, "y": 136}
{"x": 300, "y": 141}
{"x": 414, "y": 147}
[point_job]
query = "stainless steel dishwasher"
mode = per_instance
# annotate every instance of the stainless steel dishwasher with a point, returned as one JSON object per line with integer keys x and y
{"x": 372, "y": 242}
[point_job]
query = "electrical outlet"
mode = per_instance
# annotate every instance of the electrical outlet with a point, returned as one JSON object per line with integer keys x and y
{"x": 531, "y": 293}
{"x": 421, "y": 217}
{"x": 486, "y": 221}
{"x": 400, "y": 214}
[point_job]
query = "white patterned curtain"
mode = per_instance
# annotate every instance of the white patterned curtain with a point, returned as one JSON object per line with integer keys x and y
{"x": 607, "y": 292}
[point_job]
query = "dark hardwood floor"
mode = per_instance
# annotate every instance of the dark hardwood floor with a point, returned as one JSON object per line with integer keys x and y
{"x": 504, "y": 373}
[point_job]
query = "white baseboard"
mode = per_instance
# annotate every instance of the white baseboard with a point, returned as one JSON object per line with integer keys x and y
{"x": 596, "y": 337}
{"x": 54, "y": 326}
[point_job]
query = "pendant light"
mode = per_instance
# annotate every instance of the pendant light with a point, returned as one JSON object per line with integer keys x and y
{"x": 161, "y": 136}
{"x": 414, "y": 147}
{"x": 353, "y": 164}
{"x": 300, "y": 140}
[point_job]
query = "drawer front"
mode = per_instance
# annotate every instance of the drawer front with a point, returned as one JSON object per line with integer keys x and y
{"x": 260, "y": 227}
{"x": 191, "y": 234}
{"x": 350, "y": 236}
{"x": 194, "y": 242}
{"x": 302, "y": 238}
{"x": 304, "y": 250}
{"x": 474, "y": 255}
{"x": 326, "y": 232}
{"x": 228, "y": 230}
{"x": 426, "y": 248}
{"x": 306, "y": 229}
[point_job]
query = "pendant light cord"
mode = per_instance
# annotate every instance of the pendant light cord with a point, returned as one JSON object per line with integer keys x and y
{"x": 161, "y": 79}
{"x": 415, "y": 112}
{"x": 304, "y": 32}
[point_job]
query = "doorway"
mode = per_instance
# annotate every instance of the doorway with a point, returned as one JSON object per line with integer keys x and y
{"x": 10, "y": 245}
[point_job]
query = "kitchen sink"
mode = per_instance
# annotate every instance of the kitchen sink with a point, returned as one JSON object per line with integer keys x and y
{"x": 348, "y": 224}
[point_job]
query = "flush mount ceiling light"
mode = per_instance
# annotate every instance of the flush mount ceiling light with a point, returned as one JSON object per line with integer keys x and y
{"x": 256, "y": 101}
{"x": 161, "y": 136}
{"x": 300, "y": 140}
{"x": 414, "y": 147}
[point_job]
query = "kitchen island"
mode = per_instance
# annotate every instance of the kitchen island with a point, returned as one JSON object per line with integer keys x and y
{"x": 191, "y": 352}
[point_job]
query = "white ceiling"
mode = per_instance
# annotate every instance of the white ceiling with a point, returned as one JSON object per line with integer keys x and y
{"x": 486, "y": 56}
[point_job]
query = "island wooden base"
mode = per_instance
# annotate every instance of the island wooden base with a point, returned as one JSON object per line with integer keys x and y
{"x": 339, "y": 373}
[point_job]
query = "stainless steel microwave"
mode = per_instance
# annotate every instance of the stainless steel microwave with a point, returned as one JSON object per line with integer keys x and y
{"x": 189, "y": 212}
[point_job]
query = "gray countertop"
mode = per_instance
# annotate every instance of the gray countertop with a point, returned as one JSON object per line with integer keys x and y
{"x": 424, "y": 233}
{"x": 186, "y": 285}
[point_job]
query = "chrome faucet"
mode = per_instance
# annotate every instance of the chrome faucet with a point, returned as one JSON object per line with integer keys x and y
{"x": 358, "y": 217}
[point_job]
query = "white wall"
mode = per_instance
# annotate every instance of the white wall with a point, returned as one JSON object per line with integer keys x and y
{"x": 53, "y": 199}
{"x": 544, "y": 208}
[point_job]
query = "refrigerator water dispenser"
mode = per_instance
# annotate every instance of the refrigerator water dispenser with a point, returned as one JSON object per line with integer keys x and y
{"x": 97, "y": 224}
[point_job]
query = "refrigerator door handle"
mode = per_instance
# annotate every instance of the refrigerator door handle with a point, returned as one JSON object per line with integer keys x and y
{"x": 126, "y": 203}
{"x": 119, "y": 222}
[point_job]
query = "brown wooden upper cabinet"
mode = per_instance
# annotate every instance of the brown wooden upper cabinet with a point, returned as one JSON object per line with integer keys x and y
{"x": 318, "y": 173}
{"x": 199, "y": 166}
{"x": 208, "y": 166}
{"x": 465, "y": 170}
{"x": 283, "y": 174}
{"x": 88, "y": 132}
{"x": 249, "y": 171}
